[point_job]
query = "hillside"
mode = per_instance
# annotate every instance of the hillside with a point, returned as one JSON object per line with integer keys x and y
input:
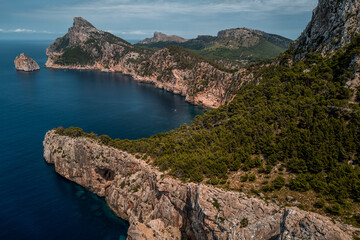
{"x": 238, "y": 45}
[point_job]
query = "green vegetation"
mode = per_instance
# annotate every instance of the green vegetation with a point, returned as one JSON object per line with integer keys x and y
{"x": 261, "y": 51}
{"x": 244, "y": 222}
{"x": 188, "y": 60}
{"x": 298, "y": 118}
{"x": 216, "y": 204}
{"x": 75, "y": 55}
{"x": 217, "y": 49}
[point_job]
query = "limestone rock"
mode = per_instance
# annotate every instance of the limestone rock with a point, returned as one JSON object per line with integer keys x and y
{"x": 298, "y": 224}
{"x": 333, "y": 24}
{"x": 160, "y": 207}
{"x": 25, "y": 63}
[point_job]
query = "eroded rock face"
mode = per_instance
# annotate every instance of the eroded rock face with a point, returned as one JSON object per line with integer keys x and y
{"x": 160, "y": 207}
{"x": 25, "y": 63}
{"x": 333, "y": 24}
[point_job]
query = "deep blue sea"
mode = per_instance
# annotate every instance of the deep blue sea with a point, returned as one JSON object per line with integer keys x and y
{"x": 35, "y": 202}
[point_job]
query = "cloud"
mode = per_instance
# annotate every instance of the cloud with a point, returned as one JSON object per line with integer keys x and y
{"x": 24, "y": 30}
{"x": 160, "y": 8}
{"x": 137, "y": 32}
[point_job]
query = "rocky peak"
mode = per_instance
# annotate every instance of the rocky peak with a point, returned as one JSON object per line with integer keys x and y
{"x": 248, "y": 37}
{"x": 237, "y": 32}
{"x": 80, "y": 22}
{"x": 333, "y": 24}
{"x": 161, "y": 37}
{"x": 25, "y": 63}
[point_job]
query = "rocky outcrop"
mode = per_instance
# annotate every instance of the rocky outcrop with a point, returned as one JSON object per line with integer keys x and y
{"x": 333, "y": 24}
{"x": 246, "y": 37}
{"x": 160, "y": 207}
{"x": 298, "y": 224}
{"x": 160, "y": 37}
{"x": 25, "y": 63}
{"x": 176, "y": 70}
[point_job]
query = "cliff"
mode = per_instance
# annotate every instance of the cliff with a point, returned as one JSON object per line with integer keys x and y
{"x": 160, "y": 37}
{"x": 160, "y": 207}
{"x": 25, "y": 63}
{"x": 175, "y": 69}
{"x": 334, "y": 23}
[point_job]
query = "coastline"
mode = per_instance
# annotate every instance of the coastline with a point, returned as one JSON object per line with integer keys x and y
{"x": 158, "y": 206}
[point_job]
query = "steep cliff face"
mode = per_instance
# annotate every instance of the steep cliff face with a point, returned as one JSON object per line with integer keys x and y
{"x": 160, "y": 207}
{"x": 25, "y": 63}
{"x": 332, "y": 26}
{"x": 161, "y": 37}
{"x": 202, "y": 82}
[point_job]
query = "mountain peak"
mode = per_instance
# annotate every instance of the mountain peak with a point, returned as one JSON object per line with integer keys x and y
{"x": 80, "y": 22}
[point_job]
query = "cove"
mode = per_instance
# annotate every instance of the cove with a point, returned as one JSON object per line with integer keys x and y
{"x": 35, "y": 202}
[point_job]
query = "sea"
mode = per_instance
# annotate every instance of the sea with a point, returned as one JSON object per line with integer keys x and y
{"x": 36, "y": 202}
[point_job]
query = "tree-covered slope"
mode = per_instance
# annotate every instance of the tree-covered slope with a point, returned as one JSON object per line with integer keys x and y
{"x": 293, "y": 127}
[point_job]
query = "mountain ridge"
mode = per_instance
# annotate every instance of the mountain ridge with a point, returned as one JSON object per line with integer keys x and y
{"x": 245, "y": 41}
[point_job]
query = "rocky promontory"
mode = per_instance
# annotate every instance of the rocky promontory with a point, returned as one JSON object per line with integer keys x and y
{"x": 25, "y": 63}
{"x": 160, "y": 207}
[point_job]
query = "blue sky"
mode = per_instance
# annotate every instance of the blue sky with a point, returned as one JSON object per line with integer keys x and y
{"x": 137, "y": 19}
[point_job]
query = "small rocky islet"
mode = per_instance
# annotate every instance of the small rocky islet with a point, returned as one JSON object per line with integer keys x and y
{"x": 25, "y": 63}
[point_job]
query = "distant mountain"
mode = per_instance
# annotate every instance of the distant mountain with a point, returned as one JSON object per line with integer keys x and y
{"x": 161, "y": 37}
{"x": 241, "y": 45}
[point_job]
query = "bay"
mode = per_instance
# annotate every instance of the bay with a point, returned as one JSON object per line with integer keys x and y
{"x": 37, "y": 203}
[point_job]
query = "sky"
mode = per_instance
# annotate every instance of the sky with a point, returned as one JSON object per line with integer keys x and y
{"x": 138, "y": 19}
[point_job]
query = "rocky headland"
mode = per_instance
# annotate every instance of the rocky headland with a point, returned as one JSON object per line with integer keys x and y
{"x": 174, "y": 69}
{"x": 25, "y": 63}
{"x": 160, "y": 207}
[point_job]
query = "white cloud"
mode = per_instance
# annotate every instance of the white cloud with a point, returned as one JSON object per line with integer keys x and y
{"x": 24, "y": 30}
{"x": 137, "y": 32}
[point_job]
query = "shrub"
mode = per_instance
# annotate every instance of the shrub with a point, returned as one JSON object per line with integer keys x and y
{"x": 244, "y": 222}
{"x": 278, "y": 183}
